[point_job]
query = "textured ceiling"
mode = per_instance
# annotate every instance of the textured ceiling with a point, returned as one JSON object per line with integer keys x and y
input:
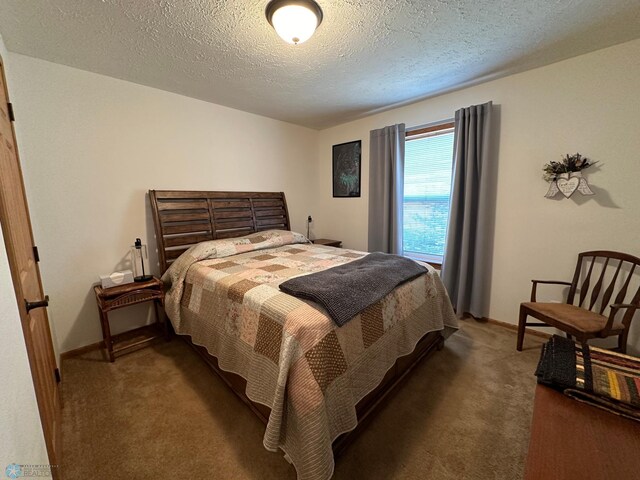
{"x": 366, "y": 56}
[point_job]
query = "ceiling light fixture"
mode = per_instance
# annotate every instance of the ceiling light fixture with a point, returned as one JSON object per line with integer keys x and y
{"x": 294, "y": 20}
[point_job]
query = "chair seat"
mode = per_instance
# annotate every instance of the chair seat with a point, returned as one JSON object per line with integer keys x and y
{"x": 575, "y": 318}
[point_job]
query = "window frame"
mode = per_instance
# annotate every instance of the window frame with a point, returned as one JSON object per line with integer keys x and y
{"x": 435, "y": 129}
{"x": 417, "y": 133}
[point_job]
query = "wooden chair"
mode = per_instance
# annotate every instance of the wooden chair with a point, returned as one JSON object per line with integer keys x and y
{"x": 587, "y": 320}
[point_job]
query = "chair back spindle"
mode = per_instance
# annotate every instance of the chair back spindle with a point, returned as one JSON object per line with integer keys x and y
{"x": 585, "y": 284}
{"x": 609, "y": 291}
{"x": 623, "y": 291}
{"x": 613, "y": 275}
{"x": 596, "y": 289}
{"x": 628, "y": 316}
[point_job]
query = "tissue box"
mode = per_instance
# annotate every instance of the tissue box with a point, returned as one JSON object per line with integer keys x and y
{"x": 116, "y": 278}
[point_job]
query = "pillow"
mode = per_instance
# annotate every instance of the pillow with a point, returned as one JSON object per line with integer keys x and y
{"x": 227, "y": 247}
{"x": 255, "y": 241}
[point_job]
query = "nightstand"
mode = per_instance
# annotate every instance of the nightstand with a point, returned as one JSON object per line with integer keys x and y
{"x": 328, "y": 242}
{"x": 123, "y": 296}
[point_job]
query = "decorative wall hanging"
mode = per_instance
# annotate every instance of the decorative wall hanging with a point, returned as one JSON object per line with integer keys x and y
{"x": 566, "y": 177}
{"x": 346, "y": 169}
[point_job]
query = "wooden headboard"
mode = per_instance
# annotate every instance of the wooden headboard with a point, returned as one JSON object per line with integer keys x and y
{"x": 184, "y": 218}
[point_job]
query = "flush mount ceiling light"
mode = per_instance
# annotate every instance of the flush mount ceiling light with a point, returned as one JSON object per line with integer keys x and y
{"x": 294, "y": 20}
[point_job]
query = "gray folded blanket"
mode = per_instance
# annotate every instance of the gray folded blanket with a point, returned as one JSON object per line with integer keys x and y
{"x": 346, "y": 290}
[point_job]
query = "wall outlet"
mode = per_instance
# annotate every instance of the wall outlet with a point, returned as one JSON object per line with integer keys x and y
{"x": 309, "y": 219}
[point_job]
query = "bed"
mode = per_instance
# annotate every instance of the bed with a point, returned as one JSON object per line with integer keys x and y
{"x": 312, "y": 383}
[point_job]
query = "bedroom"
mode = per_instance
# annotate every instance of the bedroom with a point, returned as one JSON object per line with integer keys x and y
{"x": 97, "y": 128}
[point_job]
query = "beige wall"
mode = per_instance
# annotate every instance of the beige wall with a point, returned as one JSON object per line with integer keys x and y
{"x": 21, "y": 437}
{"x": 588, "y": 104}
{"x": 92, "y": 146}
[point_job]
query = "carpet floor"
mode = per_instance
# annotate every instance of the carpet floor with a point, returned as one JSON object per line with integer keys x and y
{"x": 464, "y": 413}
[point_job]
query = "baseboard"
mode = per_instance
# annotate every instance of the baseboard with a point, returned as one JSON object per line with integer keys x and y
{"x": 82, "y": 350}
{"x": 513, "y": 327}
{"x": 95, "y": 346}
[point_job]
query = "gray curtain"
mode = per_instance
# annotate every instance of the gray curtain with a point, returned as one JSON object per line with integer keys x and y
{"x": 465, "y": 269}
{"x": 386, "y": 189}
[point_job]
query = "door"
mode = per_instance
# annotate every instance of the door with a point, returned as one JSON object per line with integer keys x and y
{"x": 18, "y": 237}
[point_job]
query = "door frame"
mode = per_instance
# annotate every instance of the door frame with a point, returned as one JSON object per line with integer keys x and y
{"x": 52, "y": 441}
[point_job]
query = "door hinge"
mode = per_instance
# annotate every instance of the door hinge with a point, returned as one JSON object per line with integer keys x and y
{"x": 56, "y": 372}
{"x": 36, "y": 254}
{"x": 12, "y": 117}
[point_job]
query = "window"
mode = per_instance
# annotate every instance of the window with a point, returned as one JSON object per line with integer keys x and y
{"x": 427, "y": 191}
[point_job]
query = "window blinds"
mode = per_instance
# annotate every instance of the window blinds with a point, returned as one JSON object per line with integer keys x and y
{"x": 427, "y": 189}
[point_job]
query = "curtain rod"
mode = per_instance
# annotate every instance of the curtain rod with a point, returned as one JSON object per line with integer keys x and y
{"x": 432, "y": 124}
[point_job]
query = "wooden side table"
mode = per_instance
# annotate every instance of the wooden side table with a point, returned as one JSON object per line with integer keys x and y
{"x": 571, "y": 440}
{"x": 123, "y": 296}
{"x": 328, "y": 242}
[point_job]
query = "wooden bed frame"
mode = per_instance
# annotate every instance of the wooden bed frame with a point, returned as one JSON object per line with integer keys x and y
{"x": 185, "y": 218}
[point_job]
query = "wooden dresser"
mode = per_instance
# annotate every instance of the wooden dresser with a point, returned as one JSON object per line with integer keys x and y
{"x": 572, "y": 440}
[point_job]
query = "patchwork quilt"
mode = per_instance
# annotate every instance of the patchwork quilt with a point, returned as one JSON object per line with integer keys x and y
{"x": 296, "y": 360}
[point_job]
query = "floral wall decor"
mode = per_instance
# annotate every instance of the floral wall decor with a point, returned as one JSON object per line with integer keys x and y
{"x": 566, "y": 177}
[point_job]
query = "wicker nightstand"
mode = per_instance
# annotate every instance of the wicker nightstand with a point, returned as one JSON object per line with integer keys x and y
{"x": 123, "y": 296}
{"x": 328, "y": 242}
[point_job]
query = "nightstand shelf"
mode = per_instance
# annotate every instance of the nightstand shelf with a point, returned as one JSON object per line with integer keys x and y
{"x": 328, "y": 242}
{"x": 113, "y": 298}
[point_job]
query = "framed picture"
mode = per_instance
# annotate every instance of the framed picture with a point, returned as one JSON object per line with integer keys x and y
{"x": 346, "y": 169}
